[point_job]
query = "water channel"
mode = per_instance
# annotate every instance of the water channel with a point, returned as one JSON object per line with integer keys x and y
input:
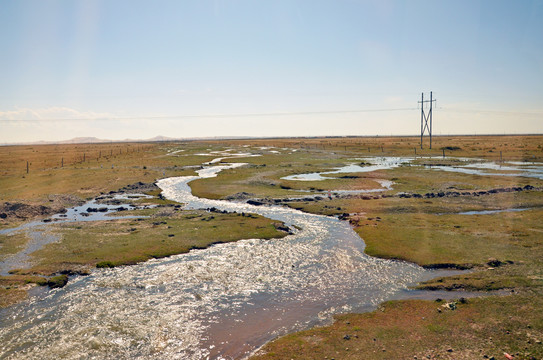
{"x": 219, "y": 303}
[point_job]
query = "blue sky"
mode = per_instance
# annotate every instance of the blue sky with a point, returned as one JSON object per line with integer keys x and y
{"x": 137, "y": 69}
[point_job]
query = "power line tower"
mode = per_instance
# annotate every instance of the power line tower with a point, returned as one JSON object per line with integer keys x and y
{"x": 425, "y": 118}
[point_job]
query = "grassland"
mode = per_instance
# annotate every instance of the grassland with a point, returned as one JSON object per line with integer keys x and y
{"x": 503, "y": 250}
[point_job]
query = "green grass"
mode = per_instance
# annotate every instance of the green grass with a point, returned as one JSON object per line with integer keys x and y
{"x": 457, "y": 239}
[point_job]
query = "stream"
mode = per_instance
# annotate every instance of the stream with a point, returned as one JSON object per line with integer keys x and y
{"x": 218, "y": 303}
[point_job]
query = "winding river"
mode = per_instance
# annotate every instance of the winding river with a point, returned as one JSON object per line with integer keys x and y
{"x": 219, "y": 303}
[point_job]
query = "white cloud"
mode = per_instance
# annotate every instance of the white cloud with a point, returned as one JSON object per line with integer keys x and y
{"x": 52, "y": 114}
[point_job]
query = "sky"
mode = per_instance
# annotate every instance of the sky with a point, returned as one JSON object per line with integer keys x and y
{"x": 204, "y": 68}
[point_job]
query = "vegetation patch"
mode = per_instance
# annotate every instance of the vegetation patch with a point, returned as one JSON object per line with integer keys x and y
{"x": 129, "y": 241}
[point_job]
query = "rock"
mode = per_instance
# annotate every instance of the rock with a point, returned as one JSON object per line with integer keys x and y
{"x": 449, "y": 306}
{"x": 240, "y": 196}
{"x": 282, "y": 227}
{"x": 343, "y": 216}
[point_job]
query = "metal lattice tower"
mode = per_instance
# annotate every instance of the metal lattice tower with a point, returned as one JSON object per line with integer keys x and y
{"x": 426, "y": 118}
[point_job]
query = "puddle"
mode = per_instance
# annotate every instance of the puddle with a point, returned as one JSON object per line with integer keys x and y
{"x": 533, "y": 170}
{"x": 488, "y": 212}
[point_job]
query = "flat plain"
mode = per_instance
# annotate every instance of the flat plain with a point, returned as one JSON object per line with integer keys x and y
{"x": 420, "y": 218}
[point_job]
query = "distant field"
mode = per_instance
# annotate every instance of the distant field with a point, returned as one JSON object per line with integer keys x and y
{"x": 83, "y": 170}
{"x": 512, "y": 147}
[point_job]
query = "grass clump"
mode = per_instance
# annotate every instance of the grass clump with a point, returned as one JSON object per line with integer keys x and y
{"x": 57, "y": 281}
{"x": 105, "y": 264}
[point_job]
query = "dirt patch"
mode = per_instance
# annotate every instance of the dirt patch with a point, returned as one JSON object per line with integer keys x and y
{"x": 21, "y": 211}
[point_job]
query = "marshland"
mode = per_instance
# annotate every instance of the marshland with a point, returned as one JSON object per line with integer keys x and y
{"x": 215, "y": 248}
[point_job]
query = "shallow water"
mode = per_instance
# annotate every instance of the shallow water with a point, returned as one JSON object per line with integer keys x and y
{"x": 223, "y": 301}
{"x": 375, "y": 163}
{"x": 39, "y": 237}
{"x": 489, "y": 212}
{"x": 528, "y": 169}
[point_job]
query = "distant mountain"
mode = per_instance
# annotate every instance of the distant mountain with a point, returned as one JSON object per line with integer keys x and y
{"x": 81, "y": 140}
{"x": 161, "y": 138}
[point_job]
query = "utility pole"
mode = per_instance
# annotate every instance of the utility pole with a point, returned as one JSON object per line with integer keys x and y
{"x": 425, "y": 118}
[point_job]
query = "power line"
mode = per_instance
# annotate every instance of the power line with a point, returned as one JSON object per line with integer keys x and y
{"x": 166, "y": 117}
{"x": 464, "y": 110}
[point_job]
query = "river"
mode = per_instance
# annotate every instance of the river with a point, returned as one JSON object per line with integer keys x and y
{"x": 218, "y": 303}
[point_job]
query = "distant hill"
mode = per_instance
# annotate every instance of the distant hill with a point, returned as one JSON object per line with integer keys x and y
{"x": 83, "y": 140}
{"x": 93, "y": 140}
